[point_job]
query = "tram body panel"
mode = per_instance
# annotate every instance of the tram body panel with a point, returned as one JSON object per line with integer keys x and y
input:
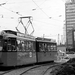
{"x": 4, "y": 58}
{"x": 47, "y": 56}
{"x": 53, "y": 55}
{"x": 24, "y": 58}
{"x": 1, "y": 58}
{"x": 9, "y": 59}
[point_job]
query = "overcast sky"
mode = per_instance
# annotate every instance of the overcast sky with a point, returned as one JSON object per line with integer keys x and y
{"x": 48, "y": 16}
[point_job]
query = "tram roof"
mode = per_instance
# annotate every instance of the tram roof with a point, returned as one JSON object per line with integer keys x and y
{"x": 18, "y": 35}
{"x": 45, "y": 40}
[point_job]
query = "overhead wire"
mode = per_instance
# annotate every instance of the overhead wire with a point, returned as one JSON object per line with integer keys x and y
{"x": 25, "y": 1}
{"x": 1, "y": 5}
{"x": 12, "y": 11}
{"x": 22, "y": 15}
{"x": 40, "y": 8}
{"x": 40, "y": 4}
{"x": 16, "y": 13}
{"x": 46, "y": 22}
{"x": 44, "y": 11}
{"x": 19, "y": 2}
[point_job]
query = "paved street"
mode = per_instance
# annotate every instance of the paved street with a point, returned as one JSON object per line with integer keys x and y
{"x": 34, "y": 71}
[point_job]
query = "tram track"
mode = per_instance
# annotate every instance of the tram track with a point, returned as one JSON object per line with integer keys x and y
{"x": 51, "y": 69}
{"x": 44, "y": 71}
{"x": 30, "y": 68}
{"x": 7, "y": 72}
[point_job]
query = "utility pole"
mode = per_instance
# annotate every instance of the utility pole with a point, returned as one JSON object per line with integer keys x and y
{"x": 43, "y": 35}
{"x": 58, "y": 40}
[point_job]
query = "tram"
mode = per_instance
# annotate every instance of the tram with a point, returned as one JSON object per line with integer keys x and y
{"x": 46, "y": 49}
{"x": 19, "y": 49}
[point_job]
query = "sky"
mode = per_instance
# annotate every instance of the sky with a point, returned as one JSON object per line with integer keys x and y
{"x": 47, "y": 16}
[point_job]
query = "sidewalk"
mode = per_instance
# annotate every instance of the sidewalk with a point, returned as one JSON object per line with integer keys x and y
{"x": 61, "y": 61}
{"x": 71, "y": 55}
{"x": 64, "y": 59}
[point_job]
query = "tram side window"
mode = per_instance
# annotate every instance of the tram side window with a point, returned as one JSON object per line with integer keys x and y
{"x": 11, "y": 44}
{"x": 53, "y": 47}
{"x": 29, "y": 46}
{"x": 46, "y": 46}
{"x": 25, "y": 45}
{"x": 1, "y": 43}
{"x": 42, "y": 46}
{"x": 49, "y": 47}
{"x": 33, "y": 46}
{"x": 5, "y": 45}
{"x": 19, "y": 46}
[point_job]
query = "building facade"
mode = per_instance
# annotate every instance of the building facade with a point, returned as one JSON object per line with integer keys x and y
{"x": 70, "y": 22}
